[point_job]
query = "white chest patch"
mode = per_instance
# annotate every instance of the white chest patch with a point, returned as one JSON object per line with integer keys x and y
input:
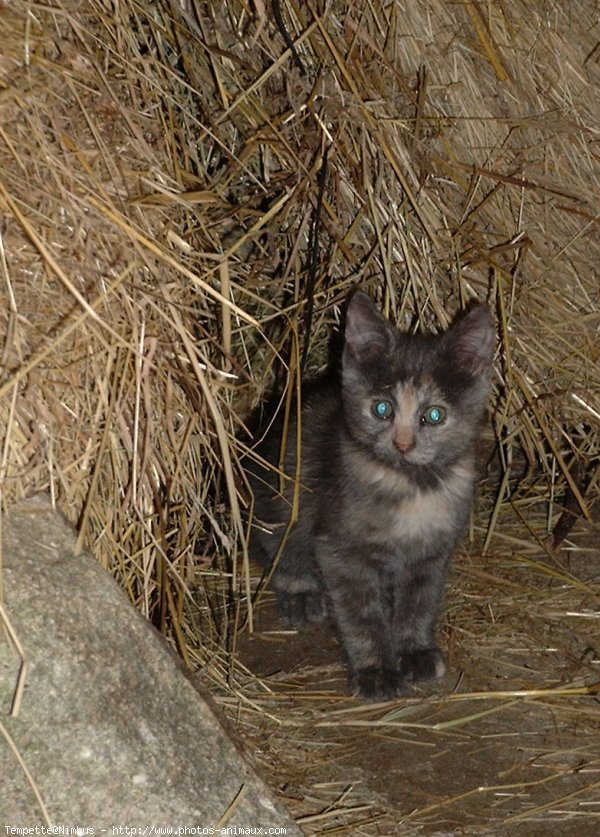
{"x": 426, "y": 513}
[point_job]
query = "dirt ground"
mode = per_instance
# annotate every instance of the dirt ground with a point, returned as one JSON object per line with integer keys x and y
{"x": 507, "y": 743}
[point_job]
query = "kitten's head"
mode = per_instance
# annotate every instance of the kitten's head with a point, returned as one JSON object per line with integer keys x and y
{"x": 414, "y": 401}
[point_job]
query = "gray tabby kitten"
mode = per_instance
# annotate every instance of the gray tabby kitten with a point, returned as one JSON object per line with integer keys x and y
{"x": 386, "y": 489}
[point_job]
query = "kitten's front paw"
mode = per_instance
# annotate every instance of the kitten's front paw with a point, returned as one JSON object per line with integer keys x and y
{"x": 424, "y": 664}
{"x": 300, "y": 608}
{"x": 376, "y": 683}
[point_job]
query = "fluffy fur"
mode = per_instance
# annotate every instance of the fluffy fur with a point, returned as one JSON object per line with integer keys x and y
{"x": 386, "y": 489}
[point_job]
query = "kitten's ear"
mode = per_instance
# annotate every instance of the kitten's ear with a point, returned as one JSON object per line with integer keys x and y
{"x": 367, "y": 335}
{"x": 470, "y": 343}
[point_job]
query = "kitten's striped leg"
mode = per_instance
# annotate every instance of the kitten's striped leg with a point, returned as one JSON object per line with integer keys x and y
{"x": 416, "y": 599}
{"x": 354, "y": 590}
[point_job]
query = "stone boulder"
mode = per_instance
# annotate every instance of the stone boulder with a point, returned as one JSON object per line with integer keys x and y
{"x": 111, "y": 732}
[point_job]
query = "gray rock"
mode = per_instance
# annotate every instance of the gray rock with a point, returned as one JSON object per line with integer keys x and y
{"x": 110, "y": 729}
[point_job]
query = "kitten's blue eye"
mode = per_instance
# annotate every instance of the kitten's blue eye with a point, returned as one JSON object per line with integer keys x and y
{"x": 433, "y": 415}
{"x": 383, "y": 409}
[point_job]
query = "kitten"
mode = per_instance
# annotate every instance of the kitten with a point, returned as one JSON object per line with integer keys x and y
{"x": 386, "y": 488}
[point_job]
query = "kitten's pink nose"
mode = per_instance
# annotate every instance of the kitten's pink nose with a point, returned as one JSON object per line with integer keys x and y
{"x": 404, "y": 441}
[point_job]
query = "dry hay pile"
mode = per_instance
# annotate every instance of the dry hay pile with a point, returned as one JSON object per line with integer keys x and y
{"x": 184, "y": 202}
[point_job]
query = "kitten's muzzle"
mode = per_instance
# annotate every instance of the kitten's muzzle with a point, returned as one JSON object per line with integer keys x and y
{"x": 404, "y": 440}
